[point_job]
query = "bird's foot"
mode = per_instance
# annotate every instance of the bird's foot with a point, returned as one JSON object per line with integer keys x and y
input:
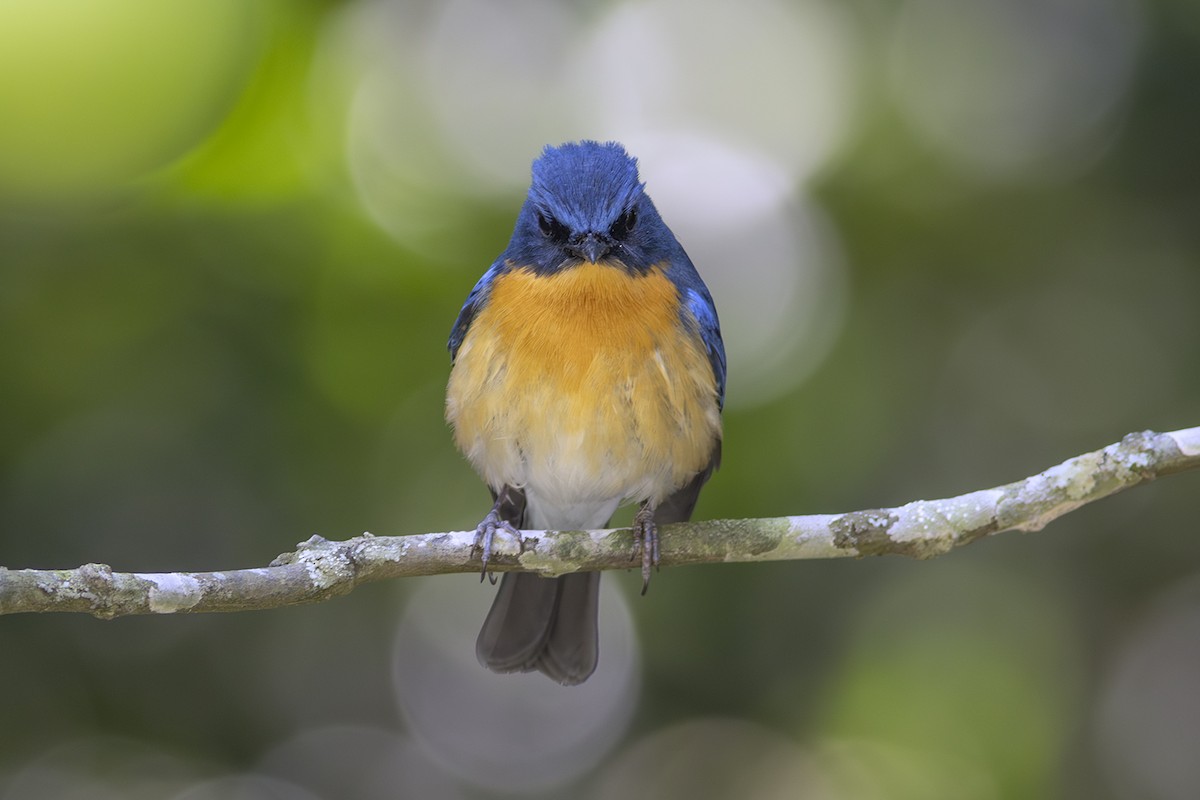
{"x": 645, "y": 534}
{"x": 485, "y": 532}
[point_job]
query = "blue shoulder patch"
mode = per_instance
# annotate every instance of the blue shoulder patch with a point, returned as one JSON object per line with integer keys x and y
{"x": 699, "y": 303}
{"x": 475, "y": 301}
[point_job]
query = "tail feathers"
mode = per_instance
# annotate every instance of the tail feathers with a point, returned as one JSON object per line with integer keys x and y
{"x": 551, "y": 624}
{"x": 544, "y": 624}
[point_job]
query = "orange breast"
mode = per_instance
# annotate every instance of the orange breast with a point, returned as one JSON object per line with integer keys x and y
{"x": 584, "y": 385}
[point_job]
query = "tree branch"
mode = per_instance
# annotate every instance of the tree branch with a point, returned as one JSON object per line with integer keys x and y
{"x": 319, "y": 569}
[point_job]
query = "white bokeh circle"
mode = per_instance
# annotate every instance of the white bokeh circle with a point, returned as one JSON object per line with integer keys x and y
{"x": 1015, "y": 89}
{"x": 519, "y": 732}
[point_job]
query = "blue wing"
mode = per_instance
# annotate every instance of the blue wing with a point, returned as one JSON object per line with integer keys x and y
{"x": 699, "y": 303}
{"x": 475, "y": 301}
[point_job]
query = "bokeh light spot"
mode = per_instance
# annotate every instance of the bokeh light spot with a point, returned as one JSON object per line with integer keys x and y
{"x": 94, "y": 95}
{"x": 100, "y": 768}
{"x": 1015, "y": 89}
{"x": 517, "y": 732}
{"x": 1149, "y": 722}
{"x": 245, "y": 787}
{"x": 353, "y": 762}
{"x": 1044, "y": 363}
{"x": 777, "y": 79}
{"x": 871, "y": 770}
{"x": 770, "y": 258}
{"x": 715, "y": 758}
{"x": 923, "y": 673}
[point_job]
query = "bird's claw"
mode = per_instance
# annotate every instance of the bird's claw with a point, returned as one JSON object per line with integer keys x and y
{"x": 485, "y": 532}
{"x": 645, "y": 535}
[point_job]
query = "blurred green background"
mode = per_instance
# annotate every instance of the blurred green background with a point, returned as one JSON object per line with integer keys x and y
{"x": 953, "y": 242}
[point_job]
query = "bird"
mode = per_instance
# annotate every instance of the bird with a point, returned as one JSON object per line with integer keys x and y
{"x": 587, "y": 371}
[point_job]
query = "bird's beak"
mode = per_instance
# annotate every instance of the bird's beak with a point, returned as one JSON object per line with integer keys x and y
{"x": 592, "y": 247}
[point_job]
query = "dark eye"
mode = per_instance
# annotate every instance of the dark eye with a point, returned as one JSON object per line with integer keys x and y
{"x": 624, "y": 224}
{"x": 551, "y": 228}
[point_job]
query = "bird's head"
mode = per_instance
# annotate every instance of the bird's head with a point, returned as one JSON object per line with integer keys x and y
{"x": 586, "y": 205}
